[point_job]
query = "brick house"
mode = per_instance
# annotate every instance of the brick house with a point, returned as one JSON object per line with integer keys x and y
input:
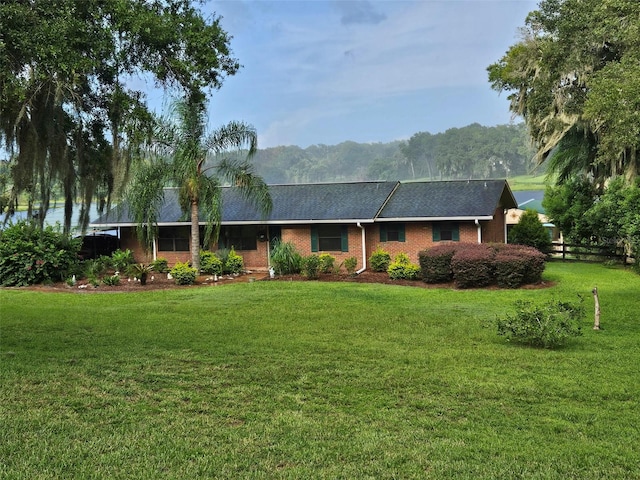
{"x": 342, "y": 219}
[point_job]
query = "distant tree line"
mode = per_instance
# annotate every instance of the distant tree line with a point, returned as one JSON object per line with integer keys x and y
{"x": 473, "y": 151}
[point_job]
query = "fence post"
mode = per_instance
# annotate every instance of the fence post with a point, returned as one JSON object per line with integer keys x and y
{"x": 596, "y": 324}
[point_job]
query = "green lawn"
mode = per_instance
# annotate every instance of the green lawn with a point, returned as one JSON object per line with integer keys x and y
{"x": 316, "y": 380}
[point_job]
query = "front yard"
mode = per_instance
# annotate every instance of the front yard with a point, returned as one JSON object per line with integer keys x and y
{"x": 316, "y": 380}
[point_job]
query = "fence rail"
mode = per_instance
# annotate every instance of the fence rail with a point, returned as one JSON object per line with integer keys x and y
{"x": 593, "y": 253}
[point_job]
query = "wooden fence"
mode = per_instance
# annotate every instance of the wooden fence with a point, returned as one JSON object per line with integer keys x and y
{"x": 589, "y": 253}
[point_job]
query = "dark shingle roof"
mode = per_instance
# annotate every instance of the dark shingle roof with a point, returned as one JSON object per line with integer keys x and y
{"x": 448, "y": 199}
{"x": 364, "y": 201}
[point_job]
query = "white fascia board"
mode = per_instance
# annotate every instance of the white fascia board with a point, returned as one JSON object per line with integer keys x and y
{"x": 258, "y": 223}
{"x": 434, "y": 219}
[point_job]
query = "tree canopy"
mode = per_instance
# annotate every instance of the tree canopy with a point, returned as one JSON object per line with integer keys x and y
{"x": 575, "y": 78}
{"x": 71, "y": 114}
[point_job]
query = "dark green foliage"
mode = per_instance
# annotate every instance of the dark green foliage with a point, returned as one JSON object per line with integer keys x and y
{"x": 140, "y": 271}
{"x": 96, "y": 267}
{"x": 210, "y": 263}
{"x": 327, "y": 263}
{"x": 285, "y": 259}
{"x": 311, "y": 266}
{"x": 350, "y": 265}
{"x": 160, "y": 265}
{"x": 30, "y": 255}
{"x": 183, "y": 274}
{"x": 121, "y": 259}
{"x": 546, "y": 326}
{"x": 403, "y": 269}
{"x": 111, "y": 280}
{"x": 234, "y": 263}
{"x": 530, "y": 231}
{"x": 379, "y": 260}
{"x": 435, "y": 263}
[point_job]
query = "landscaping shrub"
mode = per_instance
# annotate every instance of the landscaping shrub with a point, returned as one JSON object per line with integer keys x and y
{"x": 435, "y": 263}
{"x": 121, "y": 259}
{"x": 210, "y": 263}
{"x": 30, "y": 255}
{"x": 160, "y": 265}
{"x": 530, "y": 231}
{"x": 183, "y": 274}
{"x": 350, "y": 265}
{"x": 95, "y": 267}
{"x": 547, "y": 326}
{"x": 403, "y": 269}
{"x": 472, "y": 265}
{"x": 140, "y": 271}
{"x": 234, "y": 263}
{"x": 111, "y": 280}
{"x": 327, "y": 263}
{"x": 379, "y": 260}
{"x": 311, "y": 266}
{"x": 285, "y": 259}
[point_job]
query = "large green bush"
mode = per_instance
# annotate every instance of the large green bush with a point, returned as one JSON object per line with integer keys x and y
{"x": 285, "y": 258}
{"x": 234, "y": 263}
{"x": 183, "y": 274}
{"x": 546, "y": 326}
{"x": 311, "y": 266}
{"x": 530, "y": 231}
{"x": 210, "y": 263}
{"x": 402, "y": 269}
{"x": 30, "y": 255}
{"x": 379, "y": 260}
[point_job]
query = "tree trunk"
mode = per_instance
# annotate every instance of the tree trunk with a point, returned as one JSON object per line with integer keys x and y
{"x": 195, "y": 236}
{"x": 596, "y": 324}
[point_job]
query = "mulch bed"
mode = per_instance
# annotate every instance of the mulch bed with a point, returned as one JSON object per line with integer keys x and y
{"x": 161, "y": 282}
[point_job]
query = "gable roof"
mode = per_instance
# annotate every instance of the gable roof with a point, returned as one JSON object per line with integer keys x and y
{"x": 347, "y": 202}
{"x": 463, "y": 199}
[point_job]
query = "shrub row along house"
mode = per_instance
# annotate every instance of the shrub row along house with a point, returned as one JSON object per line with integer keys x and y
{"x": 343, "y": 219}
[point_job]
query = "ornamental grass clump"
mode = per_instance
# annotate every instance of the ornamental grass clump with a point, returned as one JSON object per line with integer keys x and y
{"x": 285, "y": 258}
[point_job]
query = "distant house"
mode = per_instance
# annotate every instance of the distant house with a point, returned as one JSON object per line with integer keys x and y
{"x": 532, "y": 200}
{"x": 342, "y": 219}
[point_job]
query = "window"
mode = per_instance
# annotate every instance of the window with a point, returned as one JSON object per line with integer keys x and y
{"x": 240, "y": 238}
{"x": 446, "y": 231}
{"x": 329, "y": 238}
{"x": 392, "y": 232}
{"x": 173, "y": 239}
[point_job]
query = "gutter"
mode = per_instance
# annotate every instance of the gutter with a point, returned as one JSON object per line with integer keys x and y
{"x": 364, "y": 250}
{"x": 477, "y": 222}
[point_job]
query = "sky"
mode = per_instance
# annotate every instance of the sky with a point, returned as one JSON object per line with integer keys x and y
{"x": 328, "y": 71}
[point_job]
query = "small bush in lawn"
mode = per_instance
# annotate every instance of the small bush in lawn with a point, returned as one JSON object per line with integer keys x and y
{"x": 310, "y": 266}
{"x": 403, "y": 269}
{"x": 183, "y": 274}
{"x": 379, "y": 260}
{"x": 285, "y": 259}
{"x": 327, "y": 263}
{"x": 350, "y": 265}
{"x": 111, "y": 280}
{"x": 210, "y": 263}
{"x": 234, "y": 263}
{"x": 435, "y": 263}
{"x": 160, "y": 265}
{"x": 121, "y": 259}
{"x": 547, "y": 326}
{"x": 30, "y": 255}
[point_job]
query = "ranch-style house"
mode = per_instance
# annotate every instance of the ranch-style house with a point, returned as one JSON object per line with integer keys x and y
{"x": 342, "y": 219}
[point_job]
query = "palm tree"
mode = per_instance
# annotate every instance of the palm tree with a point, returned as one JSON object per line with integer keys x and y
{"x": 197, "y": 163}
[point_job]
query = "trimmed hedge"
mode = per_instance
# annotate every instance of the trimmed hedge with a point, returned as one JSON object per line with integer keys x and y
{"x": 479, "y": 265}
{"x": 472, "y": 265}
{"x": 435, "y": 263}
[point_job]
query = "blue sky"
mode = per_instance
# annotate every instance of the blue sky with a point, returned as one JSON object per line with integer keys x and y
{"x": 327, "y": 71}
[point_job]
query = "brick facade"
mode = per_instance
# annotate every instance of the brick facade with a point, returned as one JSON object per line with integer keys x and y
{"x": 418, "y": 237}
